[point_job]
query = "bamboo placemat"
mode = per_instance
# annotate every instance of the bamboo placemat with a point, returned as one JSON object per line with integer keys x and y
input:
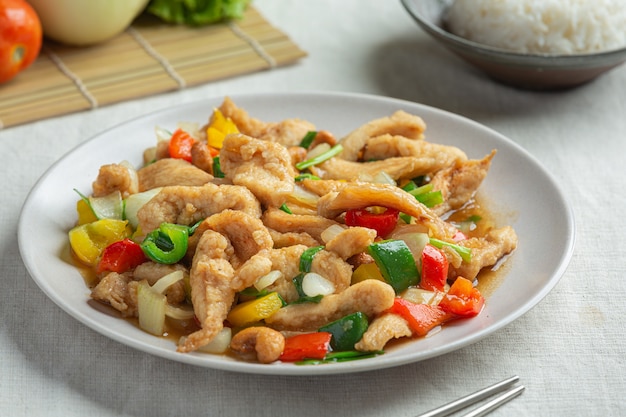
{"x": 150, "y": 57}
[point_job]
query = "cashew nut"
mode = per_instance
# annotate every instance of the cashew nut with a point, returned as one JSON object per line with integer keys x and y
{"x": 268, "y": 344}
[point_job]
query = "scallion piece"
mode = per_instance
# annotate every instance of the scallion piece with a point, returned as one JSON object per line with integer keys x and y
{"x": 217, "y": 168}
{"x": 335, "y": 150}
{"x": 308, "y": 139}
{"x": 306, "y": 259}
{"x": 286, "y": 209}
{"x": 465, "y": 253}
{"x": 306, "y": 176}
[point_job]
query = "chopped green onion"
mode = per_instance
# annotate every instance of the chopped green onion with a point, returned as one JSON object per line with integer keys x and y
{"x": 465, "y": 253}
{"x": 306, "y": 176}
{"x": 424, "y": 194}
{"x": 286, "y": 209}
{"x": 335, "y": 150}
{"x": 308, "y": 139}
{"x": 334, "y": 357}
{"x": 306, "y": 259}
{"x": 217, "y": 168}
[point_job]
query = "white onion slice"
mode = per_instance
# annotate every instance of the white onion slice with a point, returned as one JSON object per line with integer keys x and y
{"x": 267, "y": 280}
{"x": 331, "y": 232}
{"x": 314, "y": 284}
{"x": 167, "y": 280}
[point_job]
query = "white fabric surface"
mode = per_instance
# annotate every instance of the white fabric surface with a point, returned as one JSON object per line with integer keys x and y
{"x": 569, "y": 351}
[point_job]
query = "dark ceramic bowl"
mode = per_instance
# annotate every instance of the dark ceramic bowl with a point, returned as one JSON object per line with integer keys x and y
{"x": 537, "y": 72}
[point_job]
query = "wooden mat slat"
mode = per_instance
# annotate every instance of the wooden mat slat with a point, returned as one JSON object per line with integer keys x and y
{"x": 125, "y": 68}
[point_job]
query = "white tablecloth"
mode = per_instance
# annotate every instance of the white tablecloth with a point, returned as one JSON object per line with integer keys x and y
{"x": 569, "y": 350}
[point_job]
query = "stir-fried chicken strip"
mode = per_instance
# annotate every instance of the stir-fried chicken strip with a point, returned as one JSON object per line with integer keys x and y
{"x": 170, "y": 172}
{"x": 355, "y": 196}
{"x": 389, "y": 146}
{"x": 396, "y": 168}
{"x": 246, "y": 234}
{"x": 287, "y": 261}
{"x": 263, "y": 167}
{"x": 486, "y": 251}
{"x": 119, "y": 291}
{"x": 188, "y": 205}
{"x": 288, "y": 132}
{"x": 211, "y": 293}
{"x": 322, "y": 187}
{"x": 351, "y": 241}
{"x": 115, "y": 177}
{"x": 399, "y": 123}
{"x": 280, "y": 221}
{"x": 282, "y": 240}
{"x": 214, "y": 283}
{"x": 459, "y": 182}
{"x": 333, "y": 268}
{"x": 371, "y": 297}
{"x": 382, "y": 330}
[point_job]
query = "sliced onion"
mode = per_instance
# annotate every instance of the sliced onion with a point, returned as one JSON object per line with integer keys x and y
{"x": 166, "y": 281}
{"x": 162, "y": 134}
{"x": 150, "y": 309}
{"x": 314, "y": 284}
{"x": 220, "y": 343}
{"x": 383, "y": 178}
{"x": 331, "y": 232}
{"x": 134, "y": 178}
{"x": 318, "y": 150}
{"x": 136, "y": 201}
{"x": 267, "y": 280}
{"x": 109, "y": 206}
{"x": 415, "y": 242}
{"x": 419, "y": 296}
{"x": 178, "y": 313}
{"x": 304, "y": 197}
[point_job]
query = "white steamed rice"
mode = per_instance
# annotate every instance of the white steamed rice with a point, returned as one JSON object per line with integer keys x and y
{"x": 541, "y": 26}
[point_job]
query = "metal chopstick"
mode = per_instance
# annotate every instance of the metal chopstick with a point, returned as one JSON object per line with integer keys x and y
{"x": 470, "y": 399}
{"x": 496, "y": 402}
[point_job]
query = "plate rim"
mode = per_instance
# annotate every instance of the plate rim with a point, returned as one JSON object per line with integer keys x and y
{"x": 326, "y": 369}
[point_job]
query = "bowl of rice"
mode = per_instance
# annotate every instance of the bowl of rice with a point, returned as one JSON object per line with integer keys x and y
{"x": 532, "y": 44}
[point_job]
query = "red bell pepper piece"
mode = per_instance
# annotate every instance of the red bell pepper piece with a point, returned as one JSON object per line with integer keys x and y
{"x": 434, "y": 269}
{"x": 383, "y": 223}
{"x": 463, "y": 299}
{"x": 180, "y": 145}
{"x": 121, "y": 256}
{"x": 306, "y": 346}
{"x": 422, "y": 318}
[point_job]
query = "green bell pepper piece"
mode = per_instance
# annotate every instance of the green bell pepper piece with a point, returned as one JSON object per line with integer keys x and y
{"x": 167, "y": 244}
{"x": 396, "y": 263}
{"x": 346, "y": 331}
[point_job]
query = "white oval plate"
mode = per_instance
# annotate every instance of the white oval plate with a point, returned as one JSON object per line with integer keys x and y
{"x": 517, "y": 185}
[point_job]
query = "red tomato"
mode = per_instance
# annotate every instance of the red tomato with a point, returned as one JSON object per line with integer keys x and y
{"x": 383, "y": 223}
{"x": 181, "y": 144}
{"x": 306, "y": 346}
{"x": 121, "y": 256}
{"x": 434, "y": 269}
{"x": 463, "y": 299}
{"x": 20, "y": 37}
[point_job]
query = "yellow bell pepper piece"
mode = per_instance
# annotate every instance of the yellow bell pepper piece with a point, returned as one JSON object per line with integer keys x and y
{"x": 256, "y": 310}
{"x": 219, "y": 127}
{"x": 85, "y": 213}
{"x": 366, "y": 271}
{"x": 89, "y": 240}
